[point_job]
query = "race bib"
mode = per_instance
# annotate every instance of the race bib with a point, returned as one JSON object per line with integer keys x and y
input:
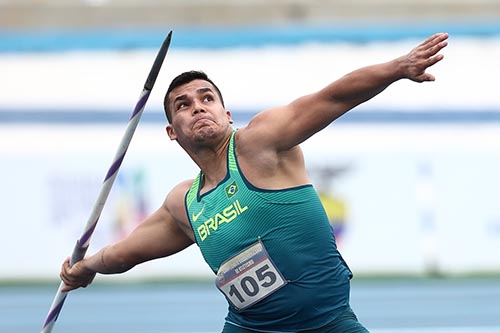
{"x": 249, "y": 277}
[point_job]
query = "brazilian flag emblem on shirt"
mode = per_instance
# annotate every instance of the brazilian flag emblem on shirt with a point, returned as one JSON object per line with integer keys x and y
{"x": 231, "y": 190}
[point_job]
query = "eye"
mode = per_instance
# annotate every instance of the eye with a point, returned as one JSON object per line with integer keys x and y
{"x": 181, "y": 105}
{"x": 208, "y": 98}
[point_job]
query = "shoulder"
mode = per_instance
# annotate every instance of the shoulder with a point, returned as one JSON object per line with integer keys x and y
{"x": 173, "y": 208}
{"x": 174, "y": 202}
{"x": 259, "y": 129}
{"x": 179, "y": 191}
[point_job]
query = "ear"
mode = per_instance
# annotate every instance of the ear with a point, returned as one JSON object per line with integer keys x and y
{"x": 171, "y": 132}
{"x": 228, "y": 114}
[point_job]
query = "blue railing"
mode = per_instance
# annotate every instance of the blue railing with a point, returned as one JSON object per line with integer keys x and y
{"x": 184, "y": 37}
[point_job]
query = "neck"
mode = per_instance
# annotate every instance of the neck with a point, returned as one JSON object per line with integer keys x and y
{"x": 212, "y": 162}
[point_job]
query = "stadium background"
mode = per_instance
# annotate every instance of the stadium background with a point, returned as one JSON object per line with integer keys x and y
{"x": 411, "y": 178}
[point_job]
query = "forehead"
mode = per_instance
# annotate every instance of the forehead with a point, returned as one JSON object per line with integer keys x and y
{"x": 192, "y": 87}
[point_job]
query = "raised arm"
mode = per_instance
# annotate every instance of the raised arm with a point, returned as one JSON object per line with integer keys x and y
{"x": 160, "y": 235}
{"x": 288, "y": 126}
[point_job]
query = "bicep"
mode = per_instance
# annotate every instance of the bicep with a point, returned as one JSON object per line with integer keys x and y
{"x": 287, "y": 126}
{"x": 292, "y": 124}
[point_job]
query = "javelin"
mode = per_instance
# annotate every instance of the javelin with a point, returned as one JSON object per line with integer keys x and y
{"x": 82, "y": 244}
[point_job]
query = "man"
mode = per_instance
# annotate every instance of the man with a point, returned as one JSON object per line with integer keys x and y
{"x": 252, "y": 209}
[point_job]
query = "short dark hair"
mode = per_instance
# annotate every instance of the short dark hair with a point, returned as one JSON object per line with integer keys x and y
{"x": 182, "y": 79}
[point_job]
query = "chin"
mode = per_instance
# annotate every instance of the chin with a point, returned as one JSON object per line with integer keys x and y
{"x": 205, "y": 134}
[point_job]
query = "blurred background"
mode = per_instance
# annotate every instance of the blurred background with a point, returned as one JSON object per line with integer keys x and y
{"x": 410, "y": 179}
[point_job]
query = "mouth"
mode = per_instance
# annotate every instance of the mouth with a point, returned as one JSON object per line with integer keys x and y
{"x": 203, "y": 119}
{"x": 200, "y": 122}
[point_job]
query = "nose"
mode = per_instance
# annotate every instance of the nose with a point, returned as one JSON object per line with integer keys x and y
{"x": 198, "y": 107}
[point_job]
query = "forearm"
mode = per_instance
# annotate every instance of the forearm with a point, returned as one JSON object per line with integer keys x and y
{"x": 82, "y": 273}
{"x": 107, "y": 261}
{"x": 363, "y": 84}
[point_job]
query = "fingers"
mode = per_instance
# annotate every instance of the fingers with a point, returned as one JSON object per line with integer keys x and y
{"x": 424, "y": 56}
{"x": 65, "y": 276}
{"x": 432, "y": 61}
{"x": 75, "y": 277}
{"x": 436, "y": 40}
{"x": 434, "y": 44}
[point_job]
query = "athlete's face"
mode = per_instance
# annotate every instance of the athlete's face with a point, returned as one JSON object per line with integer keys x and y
{"x": 197, "y": 113}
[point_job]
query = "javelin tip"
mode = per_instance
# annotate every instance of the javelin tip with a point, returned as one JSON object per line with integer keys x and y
{"x": 155, "y": 69}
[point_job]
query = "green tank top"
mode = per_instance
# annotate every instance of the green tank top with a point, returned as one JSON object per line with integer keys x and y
{"x": 294, "y": 229}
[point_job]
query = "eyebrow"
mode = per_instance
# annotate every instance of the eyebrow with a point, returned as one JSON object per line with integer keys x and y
{"x": 179, "y": 98}
{"x": 199, "y": 91}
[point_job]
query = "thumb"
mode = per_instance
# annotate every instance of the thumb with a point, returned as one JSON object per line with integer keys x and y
{"x": 424, "y": 77}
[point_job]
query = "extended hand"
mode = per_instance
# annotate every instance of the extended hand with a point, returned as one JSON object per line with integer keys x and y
{"x": 423, "y": 56}
{"x": 76, "y": 276}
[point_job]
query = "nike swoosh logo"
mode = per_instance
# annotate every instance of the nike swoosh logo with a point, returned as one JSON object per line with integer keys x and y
{"x": 196, "y": 216}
